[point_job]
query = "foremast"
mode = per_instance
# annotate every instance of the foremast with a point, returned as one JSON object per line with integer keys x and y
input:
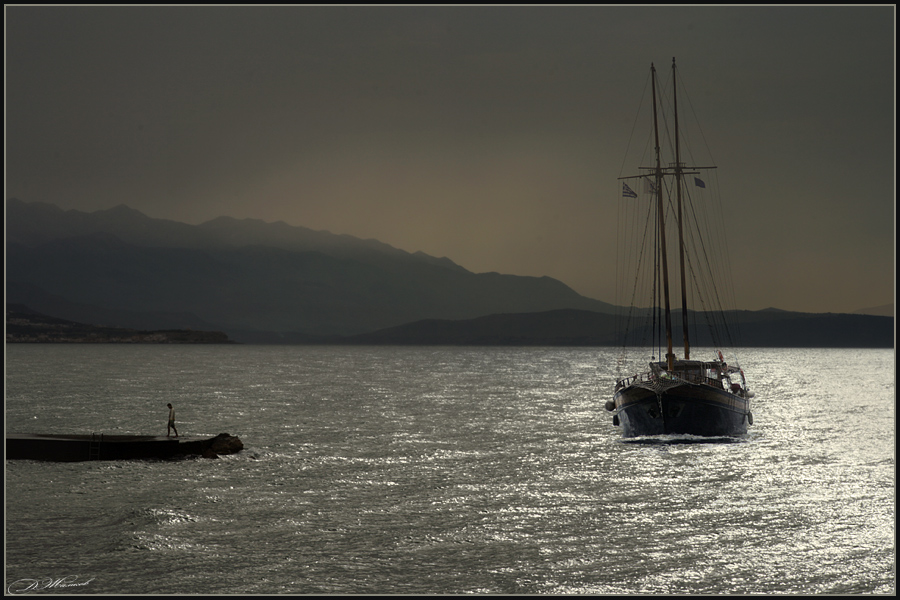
{"x": 658, "y": 176}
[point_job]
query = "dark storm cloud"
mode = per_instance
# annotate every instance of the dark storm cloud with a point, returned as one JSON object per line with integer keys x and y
{"x": 489, "y": 135}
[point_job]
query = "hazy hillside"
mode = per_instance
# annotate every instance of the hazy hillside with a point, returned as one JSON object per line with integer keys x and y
{"x": 551, "y": 328}
{"x": 34, "y": 223}
{"x": 584, "y": 328}
{"x": 885, "y": 310}
{"x": 120, "y": 267}
{"x": 24, "y": 325}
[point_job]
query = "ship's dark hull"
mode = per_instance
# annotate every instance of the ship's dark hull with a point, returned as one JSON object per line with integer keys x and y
{"x": 686, "y": 408}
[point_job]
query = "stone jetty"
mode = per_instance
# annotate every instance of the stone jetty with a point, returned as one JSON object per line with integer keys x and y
{"x": 98, "y": 446}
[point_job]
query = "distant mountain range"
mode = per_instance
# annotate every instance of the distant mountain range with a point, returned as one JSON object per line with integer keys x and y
{"x": 249, "y": 278}
{"x": 275, "y": 283}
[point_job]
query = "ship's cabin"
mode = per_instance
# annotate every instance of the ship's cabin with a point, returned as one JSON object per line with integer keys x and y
{"x": 715, "y": 373}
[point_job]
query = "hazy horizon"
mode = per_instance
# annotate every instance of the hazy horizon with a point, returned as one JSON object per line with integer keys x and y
{"x": 489, "y": 135}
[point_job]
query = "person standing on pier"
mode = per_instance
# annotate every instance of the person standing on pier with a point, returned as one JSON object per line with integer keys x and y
{"x": 171, "y": 422}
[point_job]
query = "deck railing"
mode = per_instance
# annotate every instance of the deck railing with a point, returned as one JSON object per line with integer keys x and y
{"x": 688, "y": 376}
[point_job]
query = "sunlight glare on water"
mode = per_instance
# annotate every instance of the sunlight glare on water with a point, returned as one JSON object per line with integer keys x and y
{"x": 447, "y": 470}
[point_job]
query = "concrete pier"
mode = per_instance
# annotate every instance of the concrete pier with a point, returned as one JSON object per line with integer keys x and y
{"x": 98, "y": 446}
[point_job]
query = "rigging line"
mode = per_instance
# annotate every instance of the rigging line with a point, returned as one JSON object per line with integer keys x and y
{"x": 693, "y": 319}
{"x": 714, "y": 235}
{"x": 700, "y": 311}
{"x": 702, "y": 253}
{"x": 666, "y": 113}
{"x": 621, "y": 223}
{"x": 667, "y": 134}
{"x": 717, "y": 233}
{"x": 694, "y": 114}
{"x": 724, "y": 274}
{"x": 643, "y": 335}
{"x": 728, "y": 279}
{"x": 619, "y": 229}
{"x": 656, "y": 302}
{"x": 715, "y": 315}
{"x": 634, "y": 124}
{"x": 624, "y": 232}
{"x": 698, "y": 225}
{"x": 713, "y": 293}
{"x": 709, "y": 316}
{"x": 686, "y": 141}
{"x": 649, "y": 227}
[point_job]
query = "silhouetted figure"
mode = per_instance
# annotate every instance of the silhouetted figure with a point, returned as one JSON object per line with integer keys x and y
{"x": 171, "y": 426}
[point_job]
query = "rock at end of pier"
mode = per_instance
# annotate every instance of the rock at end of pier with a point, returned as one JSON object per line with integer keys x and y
{"x": 226, "y": 444}
{"x": 223, "y": 443}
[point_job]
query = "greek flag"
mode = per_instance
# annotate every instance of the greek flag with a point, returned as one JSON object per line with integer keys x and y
{"x": 627, "y": 192}
{"x": 699, "y": 182}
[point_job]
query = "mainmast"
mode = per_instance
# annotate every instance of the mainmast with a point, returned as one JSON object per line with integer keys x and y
{"x": 670, "y": 356}
{"x": 678, "y": 174}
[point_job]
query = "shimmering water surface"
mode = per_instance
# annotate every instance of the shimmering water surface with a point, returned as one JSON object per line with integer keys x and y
{"x": 445, "y": 470}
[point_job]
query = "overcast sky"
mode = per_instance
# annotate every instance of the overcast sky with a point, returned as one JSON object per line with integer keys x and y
{"x": 492, "y": 136}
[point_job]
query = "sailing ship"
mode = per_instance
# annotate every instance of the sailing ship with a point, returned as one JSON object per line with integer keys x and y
{"x": 671, "y": 395}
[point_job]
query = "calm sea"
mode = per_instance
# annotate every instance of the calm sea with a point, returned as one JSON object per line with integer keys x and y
{"x": 445, "y": 470}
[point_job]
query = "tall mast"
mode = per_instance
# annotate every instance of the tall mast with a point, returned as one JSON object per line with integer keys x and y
{"x": 678, "y": 173}
{"x": 670, "y": 356}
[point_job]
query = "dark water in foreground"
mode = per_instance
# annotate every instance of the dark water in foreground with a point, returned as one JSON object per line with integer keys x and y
{"x": 446, "y": 470}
